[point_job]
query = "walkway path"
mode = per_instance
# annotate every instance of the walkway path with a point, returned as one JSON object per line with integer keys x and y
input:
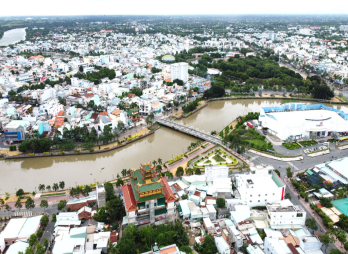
{"x": 311, "y": 213}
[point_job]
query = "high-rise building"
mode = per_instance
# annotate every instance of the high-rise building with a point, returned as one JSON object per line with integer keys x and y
{"x": 179, "y": 71}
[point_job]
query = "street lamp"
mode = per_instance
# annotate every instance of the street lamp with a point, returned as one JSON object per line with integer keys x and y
{"x": 76, "y": 184}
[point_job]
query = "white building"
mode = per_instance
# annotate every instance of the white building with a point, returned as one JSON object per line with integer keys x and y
{"x": 222, "y": 246}
{"x": 218, "y": 171}
{"x": 284, "y": 213}
{"x": 276, "y": 246}
{"x": 260, "y": 187}
{"x": 179, "y": 71}
{"x": 297, "y": 120}
{"x": 310, "y": 244}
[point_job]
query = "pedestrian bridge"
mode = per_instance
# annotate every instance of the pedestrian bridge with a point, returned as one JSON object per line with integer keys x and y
{"x": 202, "y": 135}
{"x": 191, "y": 131}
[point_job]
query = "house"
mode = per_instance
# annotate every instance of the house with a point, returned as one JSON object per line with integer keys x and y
{"x": 17, "y": 247}
{"x": 20, "y": 229}
{"x": 222, "y": 246}
{"x": 170, "y": 249}
{"x": 85, "y": 213}
{"x": 77, "y": 203}
{"x": 276, "y": 246}
{"x": 147, "y": 198}
{"x": 285, "y": 214}
{"x": 260, "y": 187}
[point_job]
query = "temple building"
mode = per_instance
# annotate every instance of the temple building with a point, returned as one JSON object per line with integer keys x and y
{"x": 147, "y": 198}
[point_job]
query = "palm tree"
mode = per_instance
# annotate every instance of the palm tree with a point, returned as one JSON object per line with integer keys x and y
{"x": 118, "y": 176}
{"x": 124, "y": 172}
{"x": 41, "y": 187}
{"x": 48, "y": 187}
{"x": 55, "y": 186}
{"x": 62, "y": 184}
{"x": 154, "y": 162}
{"x": 159, "y": 161}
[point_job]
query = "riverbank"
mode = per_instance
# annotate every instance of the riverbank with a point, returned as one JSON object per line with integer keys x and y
{"x": 102, "y": 148}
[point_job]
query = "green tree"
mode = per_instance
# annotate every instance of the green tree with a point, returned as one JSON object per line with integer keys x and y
{"x": 40, "y": 249}
{"x": 19, "y": 193}
{"x": 44, "y": 220}
{"x": 289, "y": 173}
{"x": 32, "y": 240}
{"x": 62, "y": 184}
{"x": 44, "y": 204}
{"x": 209, "y": 246}
{"x": 39, "y": 233}
{"x": 326, "y": 239}
{"x": 119, "y": 182}
{"x": 41, "y": 187}
{"x": 54, "y": 217}
{"x": 312, "y": 224}
{"x": 326, "y": 202}
{"x": 288, "y": 196}
{"x": 46, "y": 243}
{"x": 18, "y": 204}
{"x": 179, "y": 171}
{"x": 61, "y": 204}
{"x": 343, "y": 221}
{"x": 220, "y": 202}
{"x": 29, "y": 203}
{"x": 342, "y": 237}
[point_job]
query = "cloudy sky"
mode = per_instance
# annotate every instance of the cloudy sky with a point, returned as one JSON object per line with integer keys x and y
{"x": 114, "y": 7}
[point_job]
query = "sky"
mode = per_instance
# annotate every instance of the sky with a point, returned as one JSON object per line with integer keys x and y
{"x": 160, "y": 7}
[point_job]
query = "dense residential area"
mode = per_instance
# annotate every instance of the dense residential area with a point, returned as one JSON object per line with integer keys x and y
{"x": 174, "y": 134}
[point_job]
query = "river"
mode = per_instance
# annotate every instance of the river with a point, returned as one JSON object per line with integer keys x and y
{"x": 83, "y": 169}
{"x": 13, "y": 36}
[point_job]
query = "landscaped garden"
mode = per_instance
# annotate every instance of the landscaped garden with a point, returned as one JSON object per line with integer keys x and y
{"x": 216, "y": 156}
{"x": 308, "y": 143}
{"x": 291, "y": 146}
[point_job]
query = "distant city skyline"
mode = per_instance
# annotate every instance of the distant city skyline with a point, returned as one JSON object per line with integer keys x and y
{"x": 157, "y": 7}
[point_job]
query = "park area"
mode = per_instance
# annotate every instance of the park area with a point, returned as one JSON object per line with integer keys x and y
{"x": 216, "y": 156}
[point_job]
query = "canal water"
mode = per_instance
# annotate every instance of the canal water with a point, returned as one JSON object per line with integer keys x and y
{"x": 12, "y": 36}
{"x": 83, "y": 169}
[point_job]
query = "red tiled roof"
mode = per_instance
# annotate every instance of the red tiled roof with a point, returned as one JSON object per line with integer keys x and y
{"x": 177, "y": 187}
{"x": 129, "y": 199}
{"x": 114, "y": 236}
{"x": 116, "y": 112}
{"x": 319, "y": 206}
{"x": 61, "y": 113}
{"x": 167, "y": 191}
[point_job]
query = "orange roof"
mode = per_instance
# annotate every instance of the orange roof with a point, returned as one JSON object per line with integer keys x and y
{"x": 155, "y": 104}
{"x": 104, "y": 113}
{"x": 169, "y": 250}
{"x": 207, "y": 84}
{"x": 116, "y": 112}
{"x": 128, "y": 196}
{"x": 61, "y": 113}
{"x": 319, "y": 206}
{"x": 168, "y": 80}
{"x": 89, "y": 88}
{"x": 167, "y": 191}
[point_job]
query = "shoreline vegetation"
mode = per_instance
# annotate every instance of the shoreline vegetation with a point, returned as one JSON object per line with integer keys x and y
{"x": 112, "y": 146}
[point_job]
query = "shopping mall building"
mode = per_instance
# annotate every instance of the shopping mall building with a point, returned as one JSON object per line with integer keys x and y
{"x": 297, "y": 120}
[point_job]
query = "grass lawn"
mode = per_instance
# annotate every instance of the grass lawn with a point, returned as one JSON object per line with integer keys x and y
{"x": 308, "y": 143}
{"x": 7, "y": 198}
{"x": 291, "y": 146}
{"x": 218, "y": 158}
{"x": 53, "y": 194}
{"x": 207, "y": 161}
{"x": 257, "y": 142}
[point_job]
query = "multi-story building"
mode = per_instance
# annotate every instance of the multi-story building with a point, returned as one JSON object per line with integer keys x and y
{"x": 15, "y": 130}
{"x": 179, "y": 71}
{"x": 260, "y": 187}
{"x": 217, "y": 171}
{"x": 284, "y": 213}
{"x": 148, "y": 198}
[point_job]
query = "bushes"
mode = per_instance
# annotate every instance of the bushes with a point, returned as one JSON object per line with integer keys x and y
{"x": 291, "y": 146}
{"x": 13, "y": 148}
{"x": 177, "y": 158}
